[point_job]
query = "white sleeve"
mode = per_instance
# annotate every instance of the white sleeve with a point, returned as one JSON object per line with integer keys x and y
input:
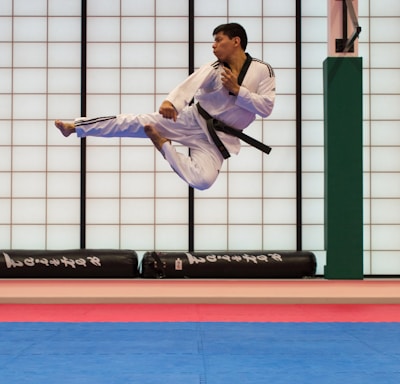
{"x": 183, "y": 94}
{"x": 260, "y": 102}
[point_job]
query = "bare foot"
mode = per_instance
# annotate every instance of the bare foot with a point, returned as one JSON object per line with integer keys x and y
{"x": 65, "y": 128}
{"x": 155, "y": 137}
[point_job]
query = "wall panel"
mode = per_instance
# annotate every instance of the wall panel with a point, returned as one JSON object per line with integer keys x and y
{"x": 136, "y": 52}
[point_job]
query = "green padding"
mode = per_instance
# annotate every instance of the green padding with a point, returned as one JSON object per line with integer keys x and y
{"x": 343, "y": 168}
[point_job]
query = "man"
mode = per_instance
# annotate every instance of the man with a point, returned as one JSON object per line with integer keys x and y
{"x": 230, "y": 92}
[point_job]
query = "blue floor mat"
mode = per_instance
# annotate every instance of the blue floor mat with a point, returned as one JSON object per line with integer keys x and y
{"x": 199, "y": 353}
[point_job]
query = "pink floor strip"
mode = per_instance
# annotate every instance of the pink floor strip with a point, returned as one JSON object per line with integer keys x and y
{"x": 199, "y": 312}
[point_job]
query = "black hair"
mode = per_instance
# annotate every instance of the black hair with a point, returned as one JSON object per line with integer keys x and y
{"x": 233, "y": 30}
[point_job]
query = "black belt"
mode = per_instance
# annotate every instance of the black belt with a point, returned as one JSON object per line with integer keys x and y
{"x": 214, "y": 125}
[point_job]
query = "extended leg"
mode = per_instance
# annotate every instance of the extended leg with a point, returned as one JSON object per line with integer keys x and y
{"x": 107, "y": 126}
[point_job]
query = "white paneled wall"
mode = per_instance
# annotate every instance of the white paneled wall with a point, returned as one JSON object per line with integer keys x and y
{"x": 137, "y": 52}
{"x": 40, "y": 80}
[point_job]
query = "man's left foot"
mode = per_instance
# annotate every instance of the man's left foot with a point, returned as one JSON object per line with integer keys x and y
{"x": 152, "y": 133}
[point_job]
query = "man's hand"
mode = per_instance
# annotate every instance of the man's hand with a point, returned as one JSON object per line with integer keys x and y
{"x": 230, "y": 81}
{"x": 168, "y": 110}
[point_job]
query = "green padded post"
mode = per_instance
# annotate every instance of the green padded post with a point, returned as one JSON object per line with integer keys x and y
{"x": 343, "y": 168}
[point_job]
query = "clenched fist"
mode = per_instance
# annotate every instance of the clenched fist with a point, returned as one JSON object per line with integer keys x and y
{"x": 168, "y": 110}
{"x": 230, "y": 81}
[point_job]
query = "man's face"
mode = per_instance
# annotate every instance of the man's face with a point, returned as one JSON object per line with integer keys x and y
{"x": 223, "y": 46}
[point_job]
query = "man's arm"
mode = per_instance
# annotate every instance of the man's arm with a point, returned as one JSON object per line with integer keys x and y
{"x": 183, "y": 94}
{"x": 260, "y": 103}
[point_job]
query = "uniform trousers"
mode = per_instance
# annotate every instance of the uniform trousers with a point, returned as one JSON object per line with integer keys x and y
{"x": 199, "y": 170}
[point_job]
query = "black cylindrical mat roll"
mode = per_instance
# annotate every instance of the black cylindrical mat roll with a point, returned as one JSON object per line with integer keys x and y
{"x": 76, "y": 263}
{"x": 260, "y": 264}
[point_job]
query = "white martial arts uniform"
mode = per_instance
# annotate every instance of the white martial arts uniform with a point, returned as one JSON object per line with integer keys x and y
{"x": 200, "y": 170}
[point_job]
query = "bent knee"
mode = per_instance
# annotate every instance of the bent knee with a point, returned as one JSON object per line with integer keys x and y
{"x": 204, "y": 182}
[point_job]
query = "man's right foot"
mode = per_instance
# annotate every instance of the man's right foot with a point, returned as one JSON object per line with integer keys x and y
{"x": 155, "y": 137}
{"x": 65, "y": 128}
